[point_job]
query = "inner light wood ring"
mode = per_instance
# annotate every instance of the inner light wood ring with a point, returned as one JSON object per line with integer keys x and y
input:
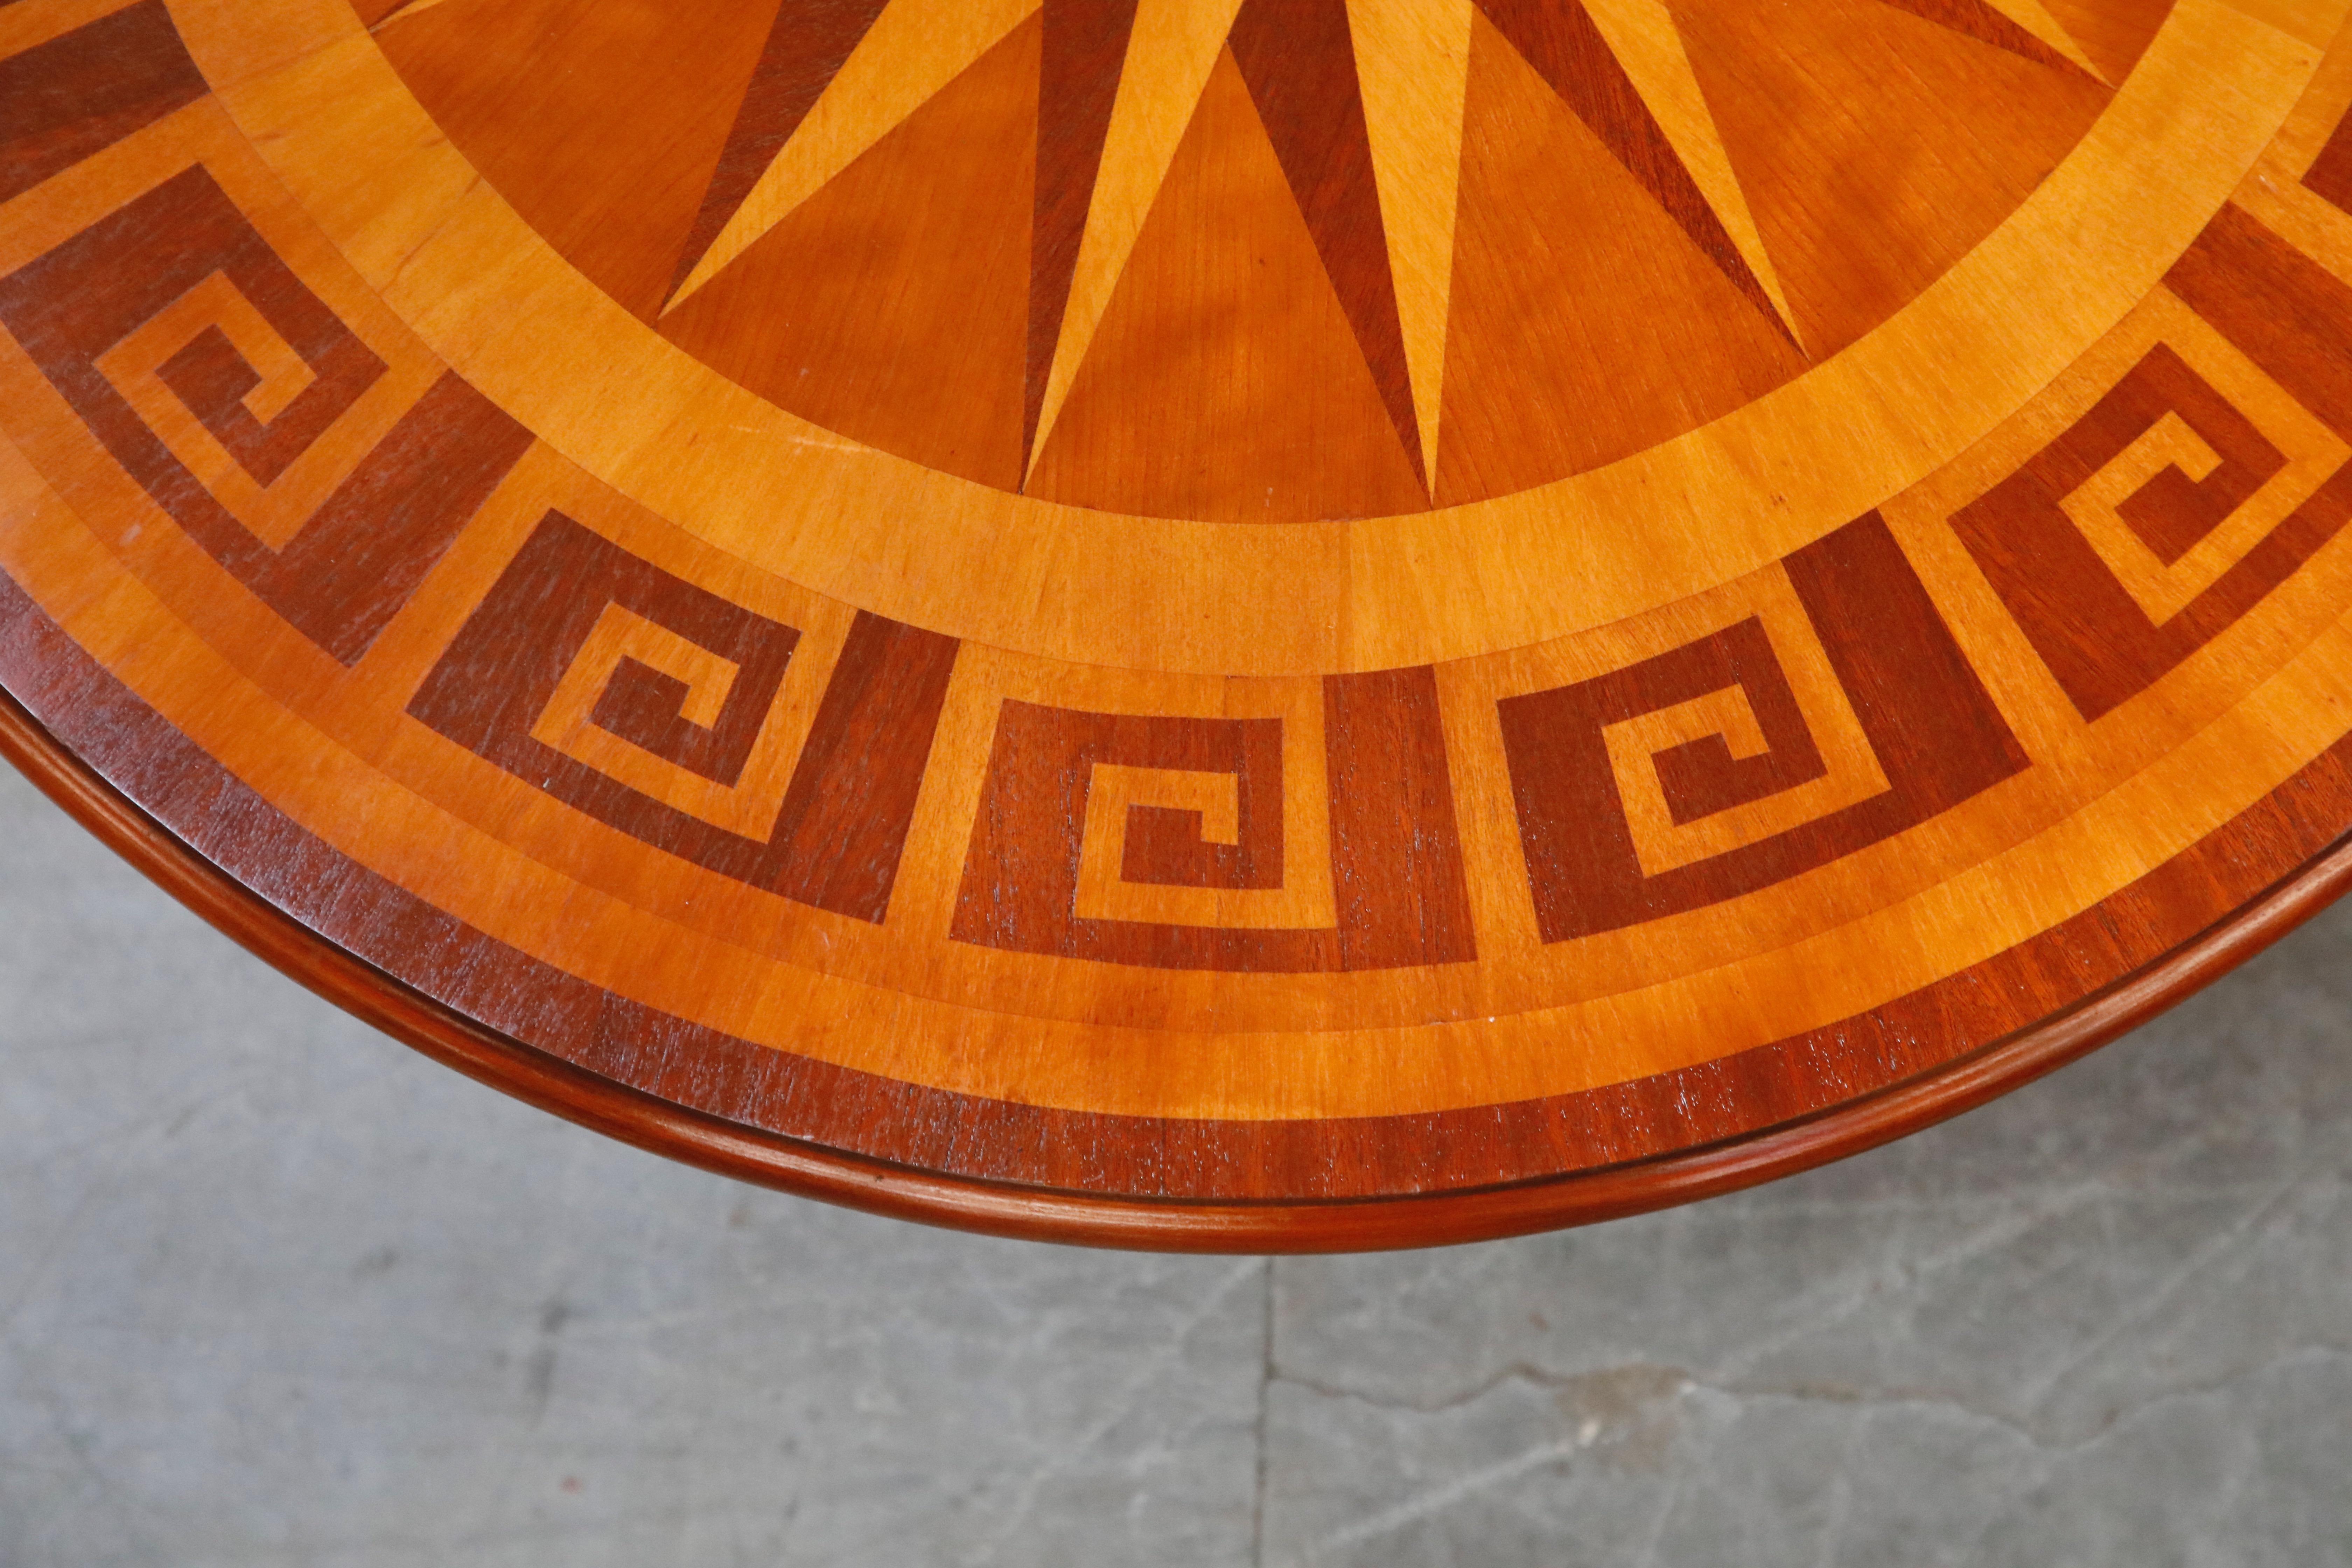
{"x": 1241, "y": 623}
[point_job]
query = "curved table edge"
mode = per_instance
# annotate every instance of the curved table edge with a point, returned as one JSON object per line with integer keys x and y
{"x": 1037, "y": 1214}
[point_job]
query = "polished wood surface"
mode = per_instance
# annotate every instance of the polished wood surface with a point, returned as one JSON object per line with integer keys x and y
{"x": 1267, "y": 623}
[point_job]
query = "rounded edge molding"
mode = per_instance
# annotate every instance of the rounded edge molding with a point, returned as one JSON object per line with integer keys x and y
{"x": 1035, "y": 1214}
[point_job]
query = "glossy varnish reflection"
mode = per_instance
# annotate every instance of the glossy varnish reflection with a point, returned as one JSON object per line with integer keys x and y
{"x": 1291, "y": 623}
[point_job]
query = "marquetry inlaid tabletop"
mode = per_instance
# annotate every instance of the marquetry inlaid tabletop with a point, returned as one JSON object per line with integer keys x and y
{"x": 1246, "y": 623}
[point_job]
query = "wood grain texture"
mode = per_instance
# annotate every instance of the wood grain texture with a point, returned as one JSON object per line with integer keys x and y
{"x": 602, "y": 122}
{"x": 2201, "y": 106}
{"x": 1872, "y": 98}
{"x": 2114, "y": 33}
{"x": 912, "y": 260}
{"x": 1980, "y": 21}
{"x": 1550, "y": 219}
{"x": 1400, "y": 900}
{"x": 67, "y": 98}
{"x": 1228, "y": 335}
{"x": 2104, "y": 648}
{"x": 1082, "y": 56}
{"x": 1569, "y": 52}
{"x": 806, "y": 46}
{"x": 1299, "y": 59}
{"x": 1931, "y": 726}
{"x": 359, "y": 557}
{"x": 587, "y": 1055}
{"x": 685, "y": 563}
{"x": 845, "y": 814}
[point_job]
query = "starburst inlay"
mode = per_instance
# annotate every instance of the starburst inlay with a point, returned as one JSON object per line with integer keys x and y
{"x": 1235, "y": 231}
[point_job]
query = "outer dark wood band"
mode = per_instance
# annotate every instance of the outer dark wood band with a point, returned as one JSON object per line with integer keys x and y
{"x": 1474, "y": 1213}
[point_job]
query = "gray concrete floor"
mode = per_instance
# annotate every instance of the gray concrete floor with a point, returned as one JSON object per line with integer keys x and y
{"x": 274, "y": 1290}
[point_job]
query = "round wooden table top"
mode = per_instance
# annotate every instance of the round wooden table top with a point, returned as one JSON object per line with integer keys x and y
{"x": 1243, "y": 624}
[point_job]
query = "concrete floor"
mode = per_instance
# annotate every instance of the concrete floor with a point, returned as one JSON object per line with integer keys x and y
{"x": 275, "y": 1290}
